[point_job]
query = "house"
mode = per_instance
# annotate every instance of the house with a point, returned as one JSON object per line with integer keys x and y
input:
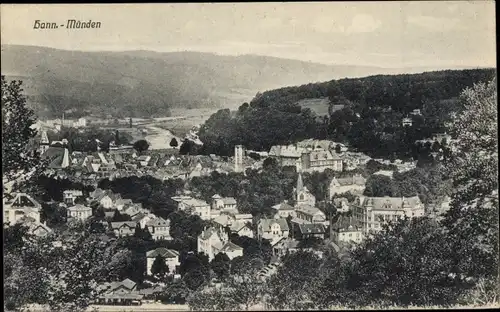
{"x": 310, "y": 230}
{"x": 121, "y": 203}
{"x": 143, "y": 160}
{"x": 195, "y": 206}
{"x": 143, "y": 218}
{"x": 159, "y": 228}
{"x": 284, "y": 210}
{"x": 21, "y": 206}
{"x": 80, "y": 212}
{"x": 302, "y": 195}
{"x": 69, "y": 196}
{"x": 38, "y": 229}
{"x": 124, "y": 228}
{"x": 223, "y": 203}
{"x": 372, "y": 212}
{"x": 355, "y": 185}
{"x": 231, "y": 250}
{"x": 121, "y": 293}
{"x": 407, "y": 122}
{"x": 171, "y": 258}
{"x": 241, "y": 228}
{"x": 212, "y": 241}
{"x": 272, "y": 229}
{"x": 346, "y": 229}
{"x": 309, "y": 214}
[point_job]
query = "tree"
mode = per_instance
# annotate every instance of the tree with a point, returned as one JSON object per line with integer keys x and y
{"x": 407, "y": 263}
{"x": 174, "y": 143}
{"x": 19, "y": 156}
{"x": 472, "y": 220}
{"x": 220, "y": 265}
{"x": 378, "y": 186}
{"x": 186, "y": 147}
{"x": 159, "y": 269}
{"x": 141, "y": 146}
{"x": 294, "y": 281}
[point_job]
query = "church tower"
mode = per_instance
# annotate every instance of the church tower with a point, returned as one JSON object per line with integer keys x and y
{"x": 44, "y": 142}
{"x": 238, "y": 158}
{"x": 302, "y": 194}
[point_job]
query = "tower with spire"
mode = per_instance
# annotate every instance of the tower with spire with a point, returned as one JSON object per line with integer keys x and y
{"x": 44, "y": 142}
{"x": 302, "y": 195}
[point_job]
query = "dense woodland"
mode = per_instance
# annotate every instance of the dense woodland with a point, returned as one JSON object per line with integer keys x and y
{"x": 370, "y": 120}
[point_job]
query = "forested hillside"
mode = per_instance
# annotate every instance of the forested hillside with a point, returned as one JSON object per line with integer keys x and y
{"x": 370, "y": 120}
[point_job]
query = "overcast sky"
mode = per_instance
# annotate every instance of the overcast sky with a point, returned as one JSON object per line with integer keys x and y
{"x": 390, "y": 34}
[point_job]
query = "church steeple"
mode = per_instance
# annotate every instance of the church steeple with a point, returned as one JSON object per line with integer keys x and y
{"x": 300, "y": 184}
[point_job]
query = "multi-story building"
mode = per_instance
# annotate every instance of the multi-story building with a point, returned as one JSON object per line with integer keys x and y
{"x": 80, "y": 212}
{"x": 309, "y": 214}
{"x": 214, "y": 241}
{"x": 69, "y": 196}
{"x": 346, "y": 229}
{"x": 20, "y": 207}
{"x": 196, "y": 207}
{"x": 355, "y": 185}
{"x": 223, "y": 203}
{"x": 124, "y": 228}
{"x": 272, "y": 229}
{"x": 159, "y": 228}
{"x": 171, "y": 258}
{"x": 371, "y": 212}
{"x": 284, "y": 210}
{"x": 306, "y": 159}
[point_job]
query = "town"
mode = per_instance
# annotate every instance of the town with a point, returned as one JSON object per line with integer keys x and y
{"x": 250, "y": 157}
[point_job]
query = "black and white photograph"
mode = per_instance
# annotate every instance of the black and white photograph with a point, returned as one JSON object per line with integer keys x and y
{"x": 249, "y": 156}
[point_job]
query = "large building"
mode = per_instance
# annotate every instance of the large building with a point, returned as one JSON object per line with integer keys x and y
{"x": 171, "y": 258}
{"x": 22, "y": 206}
{"x": 306, "y": 159}
{"x": 272, "y": 229}
{"x": 355, "y": 185}
{"x": 371, "y": 212}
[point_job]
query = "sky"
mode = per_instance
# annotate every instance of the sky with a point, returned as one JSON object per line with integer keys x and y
{"x": 449, "y": 34}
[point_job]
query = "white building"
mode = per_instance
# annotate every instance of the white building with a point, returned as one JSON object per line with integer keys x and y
{"x": 355, "y": 185}
{"x": 194, "y": 206}
{"x": 284, "y": 210}
{"x": 20, "y": 207}
{"x": 159, "y": 228}
{"x": 171, "y": 258}
{"x": 272, "y": 229}
{"x": 346, "y": 230}
{"x": 79, "y": 212}
{"x": 223, "y": 203}
{"x": 69, "y": 196}
{"x": 214, "y": 241}
{"x": 371, "y": 212}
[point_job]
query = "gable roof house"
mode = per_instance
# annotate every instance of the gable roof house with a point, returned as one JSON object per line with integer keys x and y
{"x": 124, "y": 228}
{"x": 272, "y": 229}
{"x": 308, "y": 230}
{"x": 171, "y": 258}
{"x": 19, "y": 207}
{"x": 159, "y": 228}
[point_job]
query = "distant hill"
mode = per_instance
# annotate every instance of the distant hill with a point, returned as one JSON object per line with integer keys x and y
{"x": 146, "y": 83}
{"x": 363, "y": 113}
